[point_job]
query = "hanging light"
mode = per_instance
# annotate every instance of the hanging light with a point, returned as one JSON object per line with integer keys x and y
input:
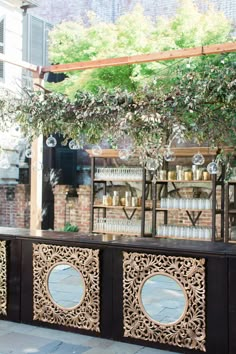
{"x": 51, "y": 141}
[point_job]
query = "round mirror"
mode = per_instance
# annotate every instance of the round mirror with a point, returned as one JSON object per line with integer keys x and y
{"x": 163, "y": 299}
{"x": 66, "y": 285}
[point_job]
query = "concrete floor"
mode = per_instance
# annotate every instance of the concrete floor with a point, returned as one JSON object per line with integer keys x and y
{"x": 18, "y": 338}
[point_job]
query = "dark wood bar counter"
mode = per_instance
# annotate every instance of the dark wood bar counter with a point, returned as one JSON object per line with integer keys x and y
{"x": 170, "y": 294}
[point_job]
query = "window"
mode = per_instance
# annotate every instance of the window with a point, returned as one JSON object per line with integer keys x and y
{"x": 2, "y": 35}
{"x": 35, "y": 43}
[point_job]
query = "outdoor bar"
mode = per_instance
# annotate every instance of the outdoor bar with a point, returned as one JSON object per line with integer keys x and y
{"x": 115, "y": 288}
{"x": 157, "y": 265}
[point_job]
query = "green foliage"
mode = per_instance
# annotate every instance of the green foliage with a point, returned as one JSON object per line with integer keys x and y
{"x": 153, "y": 103}
{"x": 133, "y": 33}
{"x": 70, "y": 228}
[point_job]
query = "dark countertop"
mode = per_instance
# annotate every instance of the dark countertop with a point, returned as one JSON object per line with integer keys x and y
{"x": 137, "y": 243}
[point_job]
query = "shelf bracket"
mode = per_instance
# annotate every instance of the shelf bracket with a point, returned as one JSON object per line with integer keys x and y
{"x": 129, "y": 217}
{"x": 194, "y": 220}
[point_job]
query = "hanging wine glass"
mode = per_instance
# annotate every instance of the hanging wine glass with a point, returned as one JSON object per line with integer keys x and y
{"x": 152, "y": 164}
{"x": 212, "y": 168}
{"x": 75, "y": 145}
{"x": 123, "y": 125}
{"x": 169, "y": 155}
{"x": 4, "y": 161}
{"x": 124, "y": 154}
{"x": 28, "y": 153}
{"x": 96, "y": 150}
{"x": 51, "y": 141}
{"x": 198, "y": 159}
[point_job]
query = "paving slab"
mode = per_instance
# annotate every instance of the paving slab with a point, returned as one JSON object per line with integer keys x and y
{"x": 16, "y": 338}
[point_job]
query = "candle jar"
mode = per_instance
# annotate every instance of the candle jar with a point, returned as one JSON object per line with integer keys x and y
{"x": 122, "y": 201}
{"x": 206, "y": 176}
{"x": 188, "y": 175}
{"x": 171, "y": 175}
{"x": 109, "y": 199}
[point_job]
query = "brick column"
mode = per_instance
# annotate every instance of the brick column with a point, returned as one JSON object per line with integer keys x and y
{"x": 84, "y": 203}
{"x": 22, "y": 201}
{"x": 60, "y": 193}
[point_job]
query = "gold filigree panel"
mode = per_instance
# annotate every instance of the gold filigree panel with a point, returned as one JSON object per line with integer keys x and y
{"x": 87, "y": 314}
{"x": 190, "y": 330}
{"x": 3, "y": 278}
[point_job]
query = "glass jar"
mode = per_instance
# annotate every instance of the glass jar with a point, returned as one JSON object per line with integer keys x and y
{"x": 115, "y": 199}
{"x": 163, "y": 175}
{"x": 128, "y": 199}
{"x": 188, "y": 175}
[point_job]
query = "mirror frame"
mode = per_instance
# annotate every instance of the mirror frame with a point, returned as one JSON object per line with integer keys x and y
{"x": 49, "y": 293}
{"x": 142, "y": 305}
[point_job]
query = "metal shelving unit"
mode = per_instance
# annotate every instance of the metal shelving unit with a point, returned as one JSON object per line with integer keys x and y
{"x": 193, "y": 214}
{"x": 106, "y": 154}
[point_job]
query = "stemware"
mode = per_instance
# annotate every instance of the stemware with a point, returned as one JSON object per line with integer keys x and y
{"x": 96, "y": 150}
{"x": 75, "y": 145}
{"x": 169, "y": 155}
{"x": 51, "y": 141}
{"x": 28, "y": 153}
{"x": 152, "y": 164}
{"x": 124, "y": 154}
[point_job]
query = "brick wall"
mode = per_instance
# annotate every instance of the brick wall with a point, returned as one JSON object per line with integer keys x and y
{"x": 74, "y": 208}
{"x": 15, "y": 206}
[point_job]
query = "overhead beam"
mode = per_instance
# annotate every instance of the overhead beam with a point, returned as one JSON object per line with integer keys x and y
{"x": 21, "y": 63}
{"x": 142, "y": 58}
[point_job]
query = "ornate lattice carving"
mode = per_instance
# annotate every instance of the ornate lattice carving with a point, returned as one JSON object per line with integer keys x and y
{"x": 87, "y": 314}
{"x": 190, "y": 330}
{"x": 3, "y": 278}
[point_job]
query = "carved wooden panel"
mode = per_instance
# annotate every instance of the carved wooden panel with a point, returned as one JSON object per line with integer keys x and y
{"x": 87, "y": 314}
{"x": 3, "y": 278}
{"x": 190, "y": 330}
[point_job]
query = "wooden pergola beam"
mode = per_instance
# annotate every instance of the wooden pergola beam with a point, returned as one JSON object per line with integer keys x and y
{"x": 142, "y": 58}
{"x": 20, "y": 63}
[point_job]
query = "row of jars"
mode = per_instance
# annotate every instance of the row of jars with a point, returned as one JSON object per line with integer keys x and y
{"x": 186, "y": 203}
{"x": 120, "y": 225}
{"x": 185, "y": 232}
{"x": 115, "y": 200}
{"x": 184, "y": 174}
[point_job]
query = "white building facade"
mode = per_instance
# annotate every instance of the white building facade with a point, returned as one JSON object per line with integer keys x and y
{"x": 11, "y": 32}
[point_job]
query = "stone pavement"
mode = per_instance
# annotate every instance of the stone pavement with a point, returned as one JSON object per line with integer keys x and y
{"x": 18, "y": 338}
